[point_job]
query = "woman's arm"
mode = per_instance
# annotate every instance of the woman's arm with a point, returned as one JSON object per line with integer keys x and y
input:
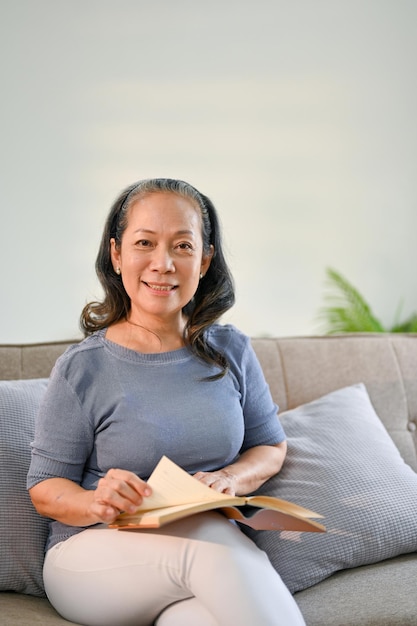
{"x": 65, "y": 501}
{"x": 250, "y": 471}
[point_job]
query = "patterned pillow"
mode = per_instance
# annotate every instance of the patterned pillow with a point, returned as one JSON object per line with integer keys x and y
{"x": 22, "y": 531}
{"x": 343, "y": 464}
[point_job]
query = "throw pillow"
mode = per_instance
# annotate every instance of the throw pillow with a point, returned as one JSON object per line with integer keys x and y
{"x": 22, "y": 531}
{"x": 342, "y": 464}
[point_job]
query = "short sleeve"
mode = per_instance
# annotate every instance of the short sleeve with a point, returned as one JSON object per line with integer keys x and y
{"x": 63, "y": 435}
{"x": 262, "y": 425}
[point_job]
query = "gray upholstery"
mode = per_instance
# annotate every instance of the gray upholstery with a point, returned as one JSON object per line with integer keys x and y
{"x": 300, "y": 370}
{"x": 23, "y": 532}
{"x": 341, "y": 463}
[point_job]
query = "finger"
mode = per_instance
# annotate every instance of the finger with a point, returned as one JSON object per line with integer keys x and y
{"x": 205, "y": 477}
{"x": 138, "y": 485}
{"x": 220, "y": 485}
{"x": 121, "y": 491}
{"x": 104, "y": 513}
{"x": 218, "y": 482}
{"x": 127, "y": 482}
{"x": 106, "y": 498}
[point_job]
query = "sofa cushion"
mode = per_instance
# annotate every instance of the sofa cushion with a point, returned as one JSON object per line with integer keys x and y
{"x": 343, "y": 464}
{"x": 23, "y": 531}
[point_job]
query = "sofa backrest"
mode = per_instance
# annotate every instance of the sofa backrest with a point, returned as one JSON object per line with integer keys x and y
{"x": 300, "y": 369}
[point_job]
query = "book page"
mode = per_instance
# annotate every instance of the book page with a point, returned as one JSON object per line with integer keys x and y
{"x": 171, "y": 485}
{"x": 282, "y": 505}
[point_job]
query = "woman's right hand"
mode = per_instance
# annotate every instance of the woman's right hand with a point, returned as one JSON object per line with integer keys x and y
{"x": 118, "y": 491}
{"x": 65, "y": 501}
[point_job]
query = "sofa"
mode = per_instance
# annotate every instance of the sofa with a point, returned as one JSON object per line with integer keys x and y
{"x": 349, "y": 406}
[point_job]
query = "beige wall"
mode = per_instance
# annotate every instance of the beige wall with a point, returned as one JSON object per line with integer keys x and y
{"x": 296, "y": 117}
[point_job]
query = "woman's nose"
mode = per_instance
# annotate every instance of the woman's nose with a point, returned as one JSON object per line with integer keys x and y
{"x": 162, "y": 260}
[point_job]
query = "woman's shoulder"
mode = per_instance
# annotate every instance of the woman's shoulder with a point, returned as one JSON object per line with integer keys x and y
{"x": 227, "y": 337}
{"x": 80, "y": 349}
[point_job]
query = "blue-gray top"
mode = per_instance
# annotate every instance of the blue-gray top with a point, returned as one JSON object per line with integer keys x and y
{"x": 108, "y": 406}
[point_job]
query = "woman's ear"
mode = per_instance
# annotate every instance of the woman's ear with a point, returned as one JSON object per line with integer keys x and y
{"x": 114, "y": 255}
{"x": 205, "y": 263}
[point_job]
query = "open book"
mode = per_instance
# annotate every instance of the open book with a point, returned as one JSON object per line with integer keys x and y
{"x": 176, "y": 494}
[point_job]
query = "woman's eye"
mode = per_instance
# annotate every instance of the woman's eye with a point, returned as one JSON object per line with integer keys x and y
{"x": 184, "y": 245}
{"x": 143, "y": 243}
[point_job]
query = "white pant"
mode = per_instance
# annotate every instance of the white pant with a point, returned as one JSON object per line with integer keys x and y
{"x": 201, "y": 570}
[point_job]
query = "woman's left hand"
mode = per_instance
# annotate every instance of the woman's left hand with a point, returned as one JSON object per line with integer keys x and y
{"x": 221, "y": 480}
{"x": 248, "y": 472}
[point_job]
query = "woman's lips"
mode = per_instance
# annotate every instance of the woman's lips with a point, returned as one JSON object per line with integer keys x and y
{"x": 160, "y": 288}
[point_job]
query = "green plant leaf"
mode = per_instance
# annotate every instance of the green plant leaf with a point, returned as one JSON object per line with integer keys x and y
{"x": 347, "y": 311}
{"x": 409, "y": 326}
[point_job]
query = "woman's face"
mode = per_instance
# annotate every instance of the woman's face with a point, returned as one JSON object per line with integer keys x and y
{"x": 161, "y": 255}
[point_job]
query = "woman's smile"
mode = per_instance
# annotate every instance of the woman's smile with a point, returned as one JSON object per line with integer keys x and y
{"x": 160, "y": 289}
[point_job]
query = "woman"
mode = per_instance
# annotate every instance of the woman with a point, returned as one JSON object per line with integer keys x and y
{"x": 157, "y": 375}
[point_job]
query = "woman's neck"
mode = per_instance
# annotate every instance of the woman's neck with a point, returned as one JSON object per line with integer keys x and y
{"x": 136, "y": 335}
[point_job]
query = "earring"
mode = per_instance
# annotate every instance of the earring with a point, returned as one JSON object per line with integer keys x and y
{"x": 117, "y": 270}
{"x": 201, "y": 276}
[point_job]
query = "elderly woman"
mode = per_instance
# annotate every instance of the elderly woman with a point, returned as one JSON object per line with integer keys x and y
{"x": 157, "y": 375}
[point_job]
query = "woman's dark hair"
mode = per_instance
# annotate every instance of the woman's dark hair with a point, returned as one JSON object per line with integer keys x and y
{"x": 214, "y": 295}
